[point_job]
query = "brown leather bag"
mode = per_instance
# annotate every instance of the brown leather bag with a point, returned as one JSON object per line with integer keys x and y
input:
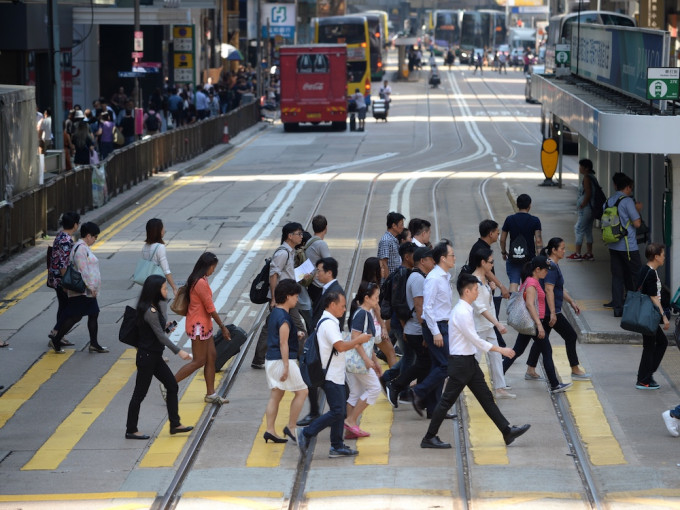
{"x": 180, "y": 305}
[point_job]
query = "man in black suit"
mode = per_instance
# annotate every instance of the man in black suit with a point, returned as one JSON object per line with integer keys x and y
{"x": 327, "y": 274}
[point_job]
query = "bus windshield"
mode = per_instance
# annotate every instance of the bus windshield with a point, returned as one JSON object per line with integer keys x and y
{"x": 342, "y": 34}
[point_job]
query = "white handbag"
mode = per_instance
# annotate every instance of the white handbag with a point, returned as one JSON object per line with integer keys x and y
{"x": 519, "y": 317}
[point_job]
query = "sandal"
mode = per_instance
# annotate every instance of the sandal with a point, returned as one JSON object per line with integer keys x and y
{"x": 3, "y": 344}
{"x": 215, "y": 399}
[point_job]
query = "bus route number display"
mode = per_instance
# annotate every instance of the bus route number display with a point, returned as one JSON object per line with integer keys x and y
{"x": 662, "y": 83}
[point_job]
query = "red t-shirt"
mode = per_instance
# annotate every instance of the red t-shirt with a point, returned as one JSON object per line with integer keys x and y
{"x": 200, "y": 307}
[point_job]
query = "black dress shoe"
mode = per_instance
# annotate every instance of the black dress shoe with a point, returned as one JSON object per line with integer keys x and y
{"x": 609, "y": 305}
{"x": 416, "y": 402}
{"x": 143, "y": 437}
{"x": 450, "y": 416}
{"x": 434, "y": 442}
{"x": 618, "y": 312}
{"x": 307, "y": 420}
{"x": 514, "y": 432}
{"x": 180, "y": 429}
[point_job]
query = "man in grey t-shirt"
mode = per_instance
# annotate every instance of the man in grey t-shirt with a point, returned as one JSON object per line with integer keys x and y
{"x": 315, "y": 249}
{"x": 413, "y": 331}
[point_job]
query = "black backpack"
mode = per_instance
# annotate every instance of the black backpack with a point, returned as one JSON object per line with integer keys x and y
{"x": 393, "y": 295}
{"x": 152, "y": 122}
{"x": 260, "y": 286}
{"x": 597, "y": 199}
{"x": 311, "y": 369}
{"x": 129, "y": 330}
{"x": 519, "y": 251}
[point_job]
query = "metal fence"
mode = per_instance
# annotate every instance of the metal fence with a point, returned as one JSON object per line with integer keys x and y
{"x": 32, "y": 213}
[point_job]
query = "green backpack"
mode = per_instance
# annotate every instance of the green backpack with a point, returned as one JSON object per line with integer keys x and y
{"x": 612, "y": 229}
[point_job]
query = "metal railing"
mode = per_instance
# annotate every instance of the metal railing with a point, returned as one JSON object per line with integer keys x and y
{"x": 29, "y": 215}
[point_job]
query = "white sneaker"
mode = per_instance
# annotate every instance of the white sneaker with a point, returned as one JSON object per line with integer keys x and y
{"x": 502, "y": 393}
{"x": 672, "y": 424}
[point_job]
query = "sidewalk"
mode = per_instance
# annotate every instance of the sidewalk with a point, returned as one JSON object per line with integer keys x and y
{"x": 22, "y": 263}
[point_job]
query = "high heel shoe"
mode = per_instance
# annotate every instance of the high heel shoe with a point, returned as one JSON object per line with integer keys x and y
{"x": 288, "y": 433}
{"x": 271, "y": 437}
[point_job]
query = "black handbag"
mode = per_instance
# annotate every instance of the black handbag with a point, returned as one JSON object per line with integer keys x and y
{"x": 72, "y": 279}
{"x": 640, "y": 314}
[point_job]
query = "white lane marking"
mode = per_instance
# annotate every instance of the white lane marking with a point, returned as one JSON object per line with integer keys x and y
{"x": 523, "y": 143}
{"x": 269, "y": 220}
{"x": 241, "y": 314}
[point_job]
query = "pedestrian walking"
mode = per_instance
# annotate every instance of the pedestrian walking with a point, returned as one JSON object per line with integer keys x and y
{"x": 525, "y": 240}
{"x": 534, "y": 297}
{"x": 200, "y": 314}
{"x": 283, "y": 373}
{"x": 358, "y": 98}
{"x": 59, "y": 261}
{"x": 333, "y": 347}
{"x": 154, "y": 249}
{"x": 83, "y": 143}
{"x": 486, "y": 320}
{"x": 317, "y": 248}
{"x": 153, "y": 339}
{"x": 420, "y": 232}
{"x": 623, "y": 253}
{"x": 584, "y": 208}
{"x": 84, "y": 303}
{"x": 671, "y": 419}
{"x": 388, "y": 246}
{"x": 361, "y": 363}
{"x": 463, "y": 368}
{"x": 556, "y": 295}
{"x": 653, "y": 346}
{"x": 45, "y": 135}
{"x": 105, "y": 134}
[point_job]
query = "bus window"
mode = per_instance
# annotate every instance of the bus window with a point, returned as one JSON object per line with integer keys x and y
{"x": 342, "y": 34}
{"x": 355, "y": 72}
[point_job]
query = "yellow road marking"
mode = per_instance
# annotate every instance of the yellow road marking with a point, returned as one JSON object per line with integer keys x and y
{"x": 166, "y": 448}
{"x": 84, "y": 496}
{"x": 394, "y": 491}
{"x": 240, "y": 498}
{"x": 376, "y": 419}
{"x": 13, "y": 297}
{"x": 503, "y": 499}
{"x": 73, "y": 428}
{"x": 591, "y": 421}
{"x": 486, "y": 442}
{"x": 25, "y": 388}
{"x": 591, "y": 305}
{"x": 269, "y": 454}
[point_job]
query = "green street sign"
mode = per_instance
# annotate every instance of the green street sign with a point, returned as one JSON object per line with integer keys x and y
{"x": 663, "y": 83}
{"x": 562, "y": 55}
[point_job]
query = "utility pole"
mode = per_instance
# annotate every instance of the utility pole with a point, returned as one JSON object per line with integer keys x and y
{"x": 138, "y": 91}
{"x": 258, "y": 69}
{"x": 55, "y": 73}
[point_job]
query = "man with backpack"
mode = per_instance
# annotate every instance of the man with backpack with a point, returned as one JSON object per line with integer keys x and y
{"x": 620, "y": 219}
{"x": 282, "y": 265}
{"x": 152, "y": 121}
{"x": 317, "y": 248}
{"x": 525, "y": 240}
{"x": 589, "y": 204}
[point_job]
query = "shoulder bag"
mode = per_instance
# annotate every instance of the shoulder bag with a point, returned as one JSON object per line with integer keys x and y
{"x": 146, "y": 268}
{"x": 519, "y": 317}
{"x": 72, "y": 279}
{"x": 640, "y": 314}
{"x": 180, "y": 305}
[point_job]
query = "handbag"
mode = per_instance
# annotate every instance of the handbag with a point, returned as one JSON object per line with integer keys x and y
{"x": 180, "y": 305}
{"x": 640, "y": 314}
{"x": 146, "y": 268}
{"x": 72, "y": 279}
{"x": 94, "y": 158}
{"x": 519, "y": 317}
{"x": 118, "y": 138}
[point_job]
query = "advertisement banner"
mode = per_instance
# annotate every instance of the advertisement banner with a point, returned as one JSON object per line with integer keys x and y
{"x": 618, "y": 56}
{"x": 281, "y": 20}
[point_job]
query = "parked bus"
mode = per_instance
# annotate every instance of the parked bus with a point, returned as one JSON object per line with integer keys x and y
{"x": 560, "y": 28}
{"x": 352, "y": 31}
{"x": 313, "y": 85}
{"x": 480, "y": 31}
{"x": 446, "y": 30}
{"x": 384, "y": 22}
{"x": 377, "y": 45}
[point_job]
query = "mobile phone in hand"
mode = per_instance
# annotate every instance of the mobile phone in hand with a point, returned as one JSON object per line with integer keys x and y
{"x": 171, "y": 327}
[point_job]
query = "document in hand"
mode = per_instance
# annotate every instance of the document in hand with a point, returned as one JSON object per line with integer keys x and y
{"x": 305, "y": 268}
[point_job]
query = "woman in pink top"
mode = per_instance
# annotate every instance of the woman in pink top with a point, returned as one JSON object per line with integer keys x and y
{"x": 106, "y": 135}
{"x": 199, "y": 319}
{"x": 534, "y": 297}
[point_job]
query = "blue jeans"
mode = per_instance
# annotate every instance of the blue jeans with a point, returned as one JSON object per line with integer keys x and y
{"x": 334, "y": 418}
{"x": 584, "y": 226}
{"x": 431, "y": 387}
{"x": 408, "y": 356}
{"x": 514, "y": 272}
{"x": 675, "y": 413}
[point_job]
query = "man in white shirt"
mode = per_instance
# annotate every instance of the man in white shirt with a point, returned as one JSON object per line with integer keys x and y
{"x": 333, "y": 347}
{"x": 437, "y": 304}
{"x": 463, "y": 369}
{"x": 420, "y": 231}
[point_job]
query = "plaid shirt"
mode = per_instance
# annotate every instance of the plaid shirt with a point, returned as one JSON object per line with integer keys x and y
{"x": 388, "y": 248}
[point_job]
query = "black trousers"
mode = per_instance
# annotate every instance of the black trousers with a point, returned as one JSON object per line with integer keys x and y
{"x": 419, "y": 369}
{"x": 623, "y": 270}
{"x": 62, "y": 300}
{"x": 544, "y": 348}
{"x": 150, "y": 365}
{"x": 653, "y": 349}
{"x": 464, "y": 371}
{"x": 570, "y": 337}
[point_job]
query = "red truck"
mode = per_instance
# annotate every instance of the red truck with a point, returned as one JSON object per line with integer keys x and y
{"x": 313, "y": 85}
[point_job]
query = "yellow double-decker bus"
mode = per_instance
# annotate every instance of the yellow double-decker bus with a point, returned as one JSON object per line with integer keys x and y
{"x": 353, "y": 32}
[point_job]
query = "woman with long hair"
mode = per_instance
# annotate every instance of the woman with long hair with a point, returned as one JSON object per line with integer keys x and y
{"x": 106, "y": 135}
{"x": 61, "y": 250}
{"x": 153, "y": 339}
{"x": 283, "y": 374}
{"x": 83, "y": 143}
{"x": 534, "y": 297}
{"x": 154, "y": 249}
{"x": 199, "y": 319}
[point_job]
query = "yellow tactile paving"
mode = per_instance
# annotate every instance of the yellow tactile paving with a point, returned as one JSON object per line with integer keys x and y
{"x": 240, "y": 499}
{"x": 589, "y": 416}
{"x": 78, "y": 496}
{"x": 74, "y": 427}
{"x": 25, "y": 388}
{"x": 376, "y": 419}
{"x": 166, "y": 448}
{"x": 486, "y": 442}
{"x": 269, "y": 454}
{"x": 391, "y": 491}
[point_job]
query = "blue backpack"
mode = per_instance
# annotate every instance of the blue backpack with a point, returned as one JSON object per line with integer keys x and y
{"x": 311, "y": 369}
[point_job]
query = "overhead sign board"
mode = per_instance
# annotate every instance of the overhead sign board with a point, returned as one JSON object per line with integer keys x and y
{"x": 662, "y": 83}
{"x": 280, "y": 19}
{"x": 183, "y": 54}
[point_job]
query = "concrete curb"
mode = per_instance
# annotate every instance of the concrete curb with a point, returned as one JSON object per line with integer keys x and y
{"x": 34, "y": 257}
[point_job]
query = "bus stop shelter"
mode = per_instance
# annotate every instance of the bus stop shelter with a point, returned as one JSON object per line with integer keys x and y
{"x": 403, "y": 44}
